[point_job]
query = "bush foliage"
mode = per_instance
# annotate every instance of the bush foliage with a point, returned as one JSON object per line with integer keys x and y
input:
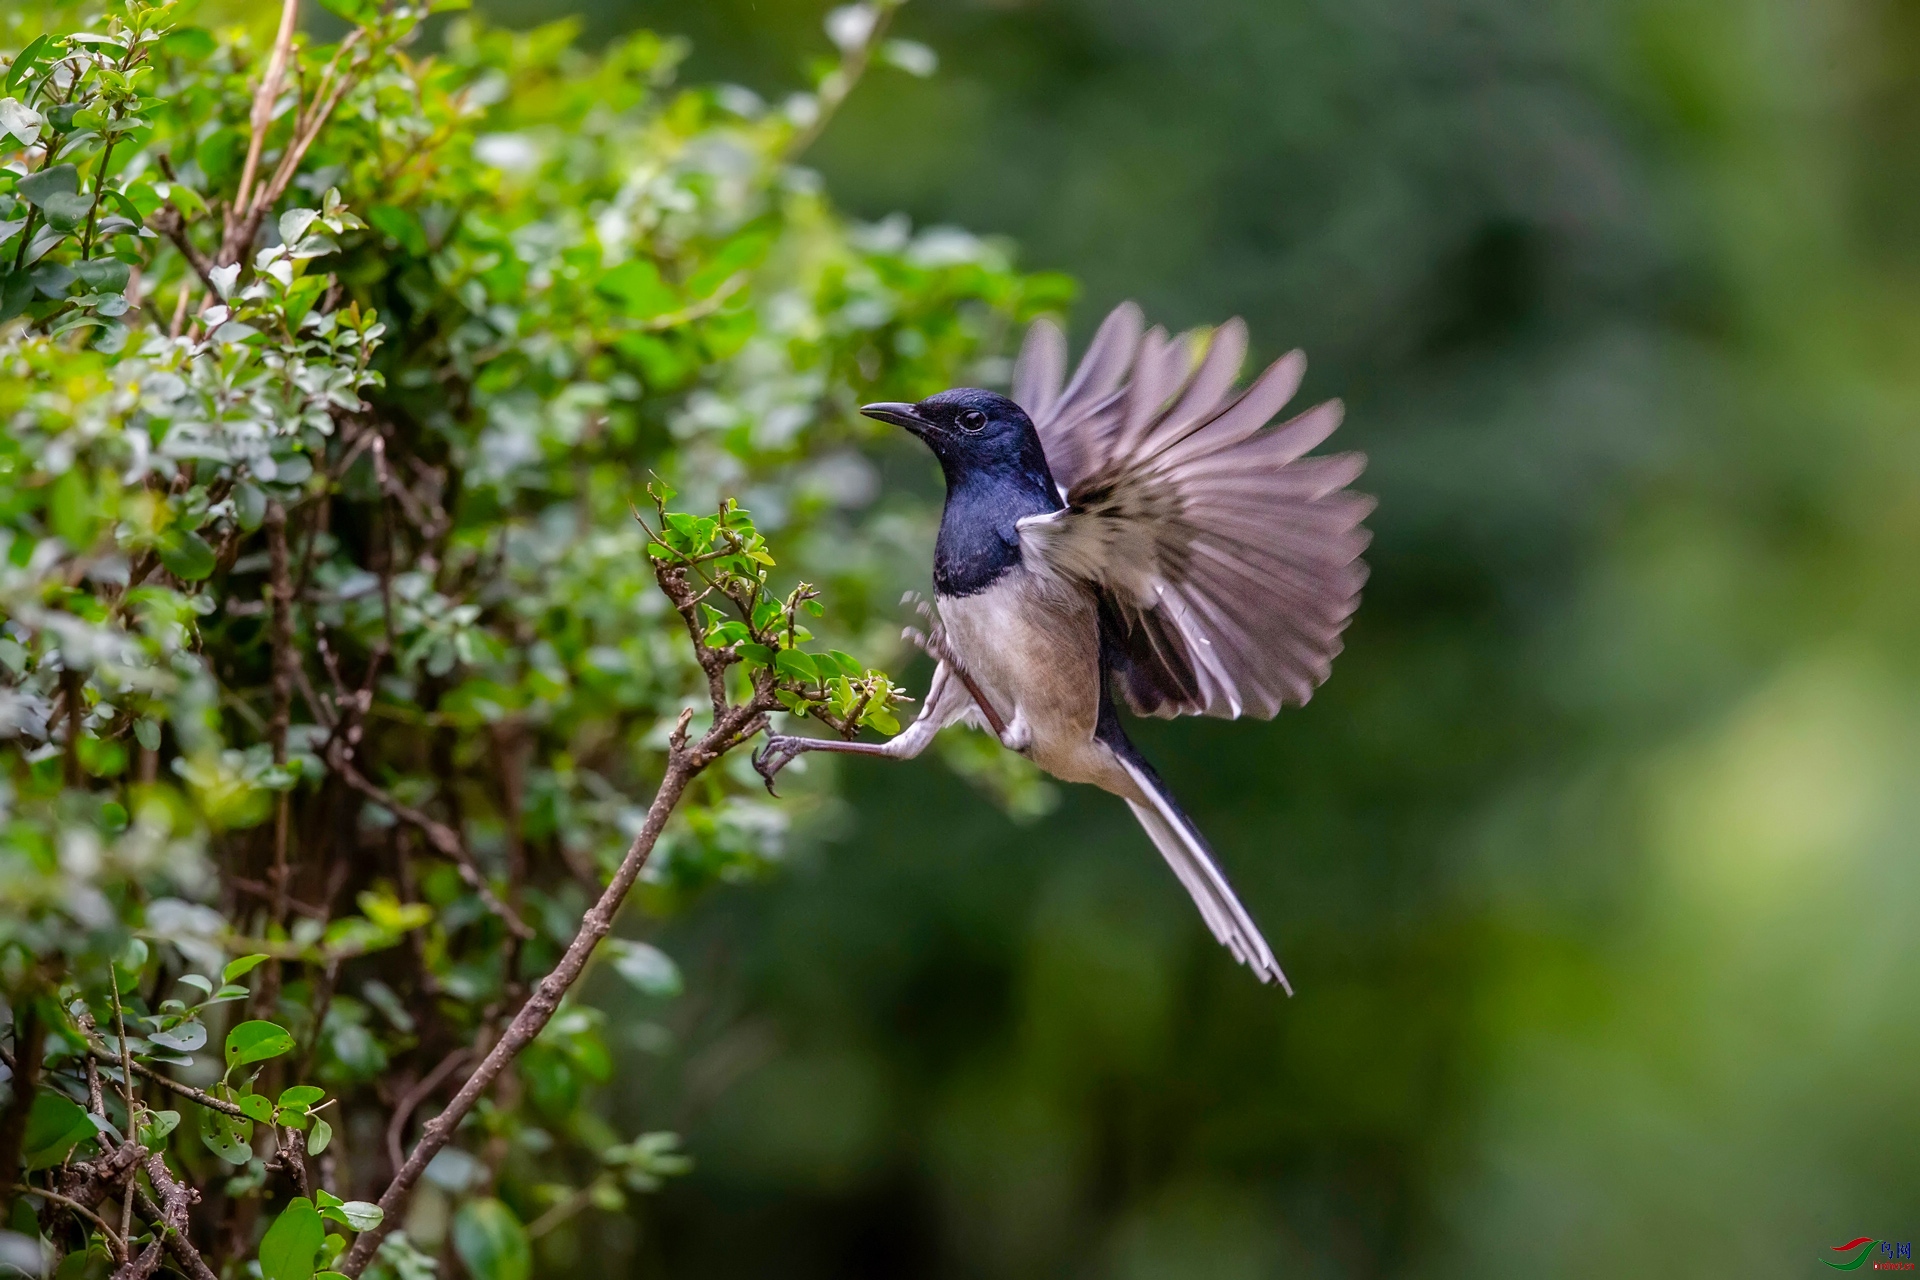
{"x": 345, "y": 693}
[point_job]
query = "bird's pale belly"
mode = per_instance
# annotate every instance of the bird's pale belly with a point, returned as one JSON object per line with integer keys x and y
{"x": 1032, "y": 646}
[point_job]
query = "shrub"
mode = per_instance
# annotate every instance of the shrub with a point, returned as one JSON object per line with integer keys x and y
{"x": 340, "y": 674}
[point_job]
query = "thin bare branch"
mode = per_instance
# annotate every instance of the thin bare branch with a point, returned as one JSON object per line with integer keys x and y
{"x": 169, "y": 223}
{"x": 839, "y": 83}
{"x": 442, "y": 837}
{"x": 206, "y": 1100}
{"x": 262, "y": 119}
{"x": 684, "y": 763}
{"x": 171, "y": 1221}
{"x": 113, "y": 1237}
{"x": 411, "y": 1100}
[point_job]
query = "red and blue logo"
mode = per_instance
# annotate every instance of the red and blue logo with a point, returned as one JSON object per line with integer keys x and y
{"x": 1885, "y": 1255}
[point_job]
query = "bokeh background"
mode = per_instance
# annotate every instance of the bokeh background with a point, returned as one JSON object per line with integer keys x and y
{"x": 1595, "y": 863}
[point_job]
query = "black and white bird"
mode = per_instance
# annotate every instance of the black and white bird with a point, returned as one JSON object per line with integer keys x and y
{"x": 1137, "y": 530}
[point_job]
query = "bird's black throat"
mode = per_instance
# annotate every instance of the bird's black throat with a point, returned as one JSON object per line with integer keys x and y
{"x": 978, "y": 539}
{"x": 997, "y": 475}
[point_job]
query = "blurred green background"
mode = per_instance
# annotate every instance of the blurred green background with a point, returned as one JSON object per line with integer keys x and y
{"x": 1594, "y": 865}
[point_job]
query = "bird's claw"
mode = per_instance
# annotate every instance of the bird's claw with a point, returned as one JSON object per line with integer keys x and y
{"x": 777, "y": 754}
{"x": 932, "y": 641}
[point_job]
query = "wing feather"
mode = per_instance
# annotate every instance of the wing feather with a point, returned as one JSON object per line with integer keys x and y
{"x": 1041, "y": 369}
{"x": 1227, "y": 559}
{"x": 1077, "y": 424}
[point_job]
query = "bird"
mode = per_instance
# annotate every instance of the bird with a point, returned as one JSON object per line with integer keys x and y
{"x": 1140, "y": 531}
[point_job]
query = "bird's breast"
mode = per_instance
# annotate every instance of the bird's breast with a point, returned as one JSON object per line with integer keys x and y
{"x": 1031, "y": 643}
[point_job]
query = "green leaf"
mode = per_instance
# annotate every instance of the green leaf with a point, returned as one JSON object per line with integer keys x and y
{"x": 636, "y": 285}
{"x": 292, "y": 1244}
{"x": 195, "y": 980}
{"x": 20, "y": 122}
{"x": 184, "y": 1038}
{"x": 55, "y": 1126}
{"x": 491, "y": 1241}
{"x": 226, "y": 1137}
{"x": 155, "y": 1126}
{"x": 65, "y": 212}
{"x": 301, "y": 1095}
{"x": 187, "y": 556}
{"x": 256, "y": 1041}
{"x": 648, "y": 968}
{"x": 358, "y": 12}
{"x": 757, "y": 655}
{"x": 134, "y": 958}
{"x": 70, "y": 509}
{"x": 244, "y": 965}
{"x": 60, "y": 180}
{"x": 104, "y": 275}
{"x": 795, "y": 665}
{"x": 249, "y": 505}
{"x": 318, "y": 1139}
{"x": 256, "y": 1107}
{"x": 189, "y": 202}
{"x": 401, "y": 227}
{"x": 360, "y": 1215}
{"x": 190, "y": 43}
{"x": 25, "y": 62}
{"x": 16, "y": 291}
{"x": 300, "y": 299}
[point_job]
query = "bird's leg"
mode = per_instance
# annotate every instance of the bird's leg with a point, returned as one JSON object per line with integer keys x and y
{"x": 934, "y": 641}
{"x": 781, "y": 749}
{"x": 942, "y": 707}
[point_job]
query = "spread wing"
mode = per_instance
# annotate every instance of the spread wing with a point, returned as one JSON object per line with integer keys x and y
{"x": 1226, "y": 561}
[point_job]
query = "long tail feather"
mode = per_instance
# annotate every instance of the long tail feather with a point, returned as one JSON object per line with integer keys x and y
{"x": 1173, "y": 833}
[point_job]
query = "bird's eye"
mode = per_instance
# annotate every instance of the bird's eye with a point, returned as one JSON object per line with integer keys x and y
{"x": 973, "y": 420}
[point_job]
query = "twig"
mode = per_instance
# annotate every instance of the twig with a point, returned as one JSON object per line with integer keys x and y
{"x": 29, "y": 1047}
{"x": 438, "y": 834}
{"x": 840, "y": 82}
{"x": 683, "y": 765}
{"x": 686, "y": 602}
{"x": 170, "y": 224}
{"x": 565, "y": 1209}
{"x": 280, "y": 591}
{"x": 698, "y": 310}
{"x": 306, "y": 128}
{"x": 263, "y": 100}
{"x": 126, "y": 1071}
{"x": 293, "y": 1155}
{"x": 170, "y": 1223}
{"x": 96, "y": 1100}
{"x": 403, "y": 1111}
{"x": 113, "y": 1237}
{"x": 206, "y": 1100}
{"x": 99, "y": 189}
{"x": 179, "y": 320}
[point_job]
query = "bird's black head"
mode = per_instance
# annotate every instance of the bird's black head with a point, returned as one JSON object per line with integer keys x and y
{"x": 975, "y": 434}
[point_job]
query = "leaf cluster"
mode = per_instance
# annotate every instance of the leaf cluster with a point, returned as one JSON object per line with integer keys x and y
{"x": 335, "y": 675}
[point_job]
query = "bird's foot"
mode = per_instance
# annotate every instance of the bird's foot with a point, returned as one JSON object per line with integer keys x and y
{"x": 778, "y": 752}
{"x": 932, "y": 641}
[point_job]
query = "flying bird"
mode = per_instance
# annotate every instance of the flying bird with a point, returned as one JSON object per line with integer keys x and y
{"x": 1139, "y": 531}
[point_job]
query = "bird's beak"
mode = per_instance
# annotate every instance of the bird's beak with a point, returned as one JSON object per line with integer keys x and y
{"x": 899, "y": 414}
